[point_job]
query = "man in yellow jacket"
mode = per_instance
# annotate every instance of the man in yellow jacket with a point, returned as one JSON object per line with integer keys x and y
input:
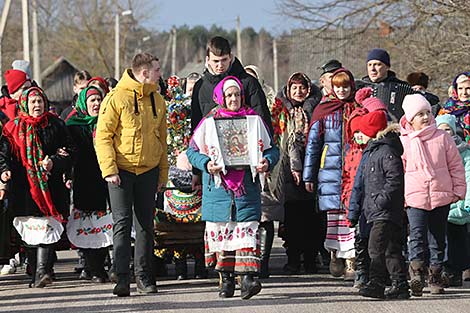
{"x": 132, "y": 154}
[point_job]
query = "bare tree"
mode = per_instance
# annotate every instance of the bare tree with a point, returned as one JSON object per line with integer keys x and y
{"x": 428, "y": 35}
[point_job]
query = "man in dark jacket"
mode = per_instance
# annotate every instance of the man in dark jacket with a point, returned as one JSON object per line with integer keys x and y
{"x": 382, "y": 201}
{"x": 220, "y": 63}
{"x": 378, "y": 72}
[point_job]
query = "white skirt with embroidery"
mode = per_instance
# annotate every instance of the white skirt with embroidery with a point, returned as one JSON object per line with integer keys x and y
{"x": 231, "y": 236}
{"x": 90, "y": 230}
{"x": 38, "y": 230}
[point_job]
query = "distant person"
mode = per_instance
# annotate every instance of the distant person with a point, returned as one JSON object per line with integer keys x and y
{"x": 132, "y": 153}
{"x": 419, "y": 82}
{"x": 378, "y": 71}
{"x": 112, "y": 82}
{"x": 189, "y": 83}
{"x": 458, "y": 104}
{"x": 17, "y": 82}
{"x": 269, "y": 92}
{"x": 220, "y": 63}
{"x": 325, "y": 78}
{"x": 458, "y": 221}
{"x": 80, "y": 82}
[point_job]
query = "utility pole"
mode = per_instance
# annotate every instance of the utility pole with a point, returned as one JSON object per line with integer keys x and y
{"x": 239, "y": 40}
{"x": 167, "y": 50}
{"x": 36, "y": 63}
{"x": 276, "y": 82}
{"x": 24, "y": 9}
{"x": 173, "y": 52}
{"x": 3, "y": 22}
{"x": 116, "y": 47}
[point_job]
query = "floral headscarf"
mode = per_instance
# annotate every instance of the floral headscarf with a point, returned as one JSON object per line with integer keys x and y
{"x": 460, "y": 109}
{"x": 22, "y": 133}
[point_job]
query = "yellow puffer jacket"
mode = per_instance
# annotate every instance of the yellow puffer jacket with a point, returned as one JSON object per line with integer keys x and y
{"x": 129, "y": 135}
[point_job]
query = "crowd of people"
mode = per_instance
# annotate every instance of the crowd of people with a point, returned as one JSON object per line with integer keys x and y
{"x": 368, "y": 176}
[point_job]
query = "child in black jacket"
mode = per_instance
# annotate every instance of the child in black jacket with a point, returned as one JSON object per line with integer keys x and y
{"x": 379, "y": 191}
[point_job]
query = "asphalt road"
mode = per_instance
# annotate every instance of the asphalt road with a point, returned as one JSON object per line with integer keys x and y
{"x": 281, "y": 293}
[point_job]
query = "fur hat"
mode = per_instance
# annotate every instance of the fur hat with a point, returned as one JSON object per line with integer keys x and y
{"x": 380, "y": 55}
{"x": 447, "y": 119}
{"x": 373, "y": 122}
{"x": 412, "y": 104}
{"x": 22, "y": 65}
{"x": 418, "y": 78}
{"x": 15, "y": 79}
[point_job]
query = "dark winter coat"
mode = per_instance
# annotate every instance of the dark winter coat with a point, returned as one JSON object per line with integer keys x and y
{"x": 395, "y": 110}
{"x": 379, "y": 188}
{"x": 90, "y": 190}
{"x": 296, "y": 146}
{"x": 52, "y": 137}
{"x": 202, "y": 100}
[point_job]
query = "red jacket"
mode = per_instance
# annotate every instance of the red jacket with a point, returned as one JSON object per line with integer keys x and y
{"x": 9, "y": 107}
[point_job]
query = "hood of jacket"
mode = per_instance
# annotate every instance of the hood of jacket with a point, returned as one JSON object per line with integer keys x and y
{"x": 129, "y": 83}
{"x": 389, "y": 136}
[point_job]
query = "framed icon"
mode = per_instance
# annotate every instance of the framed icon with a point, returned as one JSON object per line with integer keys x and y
{"x": 233, "y": 141}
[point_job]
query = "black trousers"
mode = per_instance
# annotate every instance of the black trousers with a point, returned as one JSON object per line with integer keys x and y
{"x": 458, "y": 254}
{"x": 134, "y": 200}
{"x": 304, "y": 231}
{"x": 385, "y": 252}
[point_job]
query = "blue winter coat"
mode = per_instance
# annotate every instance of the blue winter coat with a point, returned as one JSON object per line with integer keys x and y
{"x": 217, "y": 202}
{"x": 324, "y": 160}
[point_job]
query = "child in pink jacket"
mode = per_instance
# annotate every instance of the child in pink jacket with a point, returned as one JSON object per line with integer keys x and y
{"x": 434, "y": 178}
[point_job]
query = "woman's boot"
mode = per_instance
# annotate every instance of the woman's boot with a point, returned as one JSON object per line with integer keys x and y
{"x": 42, "y": 278}
{"x": 95, "y": 260}
{"x": 249, "y": 286}
{"x": 227, "y": 288}
{"x": 336, "y": 265}
{"x": 266, "y": 232}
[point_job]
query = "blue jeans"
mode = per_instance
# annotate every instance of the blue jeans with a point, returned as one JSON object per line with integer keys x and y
{"x": 428, "y": 233}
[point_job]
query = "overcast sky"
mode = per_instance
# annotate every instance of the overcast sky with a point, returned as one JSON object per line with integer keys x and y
{"x": 223, "y": 13}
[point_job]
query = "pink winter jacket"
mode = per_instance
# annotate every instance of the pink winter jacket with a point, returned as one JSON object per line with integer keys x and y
{"x": 434, "y": 172}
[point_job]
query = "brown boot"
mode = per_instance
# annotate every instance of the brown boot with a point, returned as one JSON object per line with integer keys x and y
{"x": 416, "y": 278}
{"x": 436, "y": 284}
{"x": 336, "y": 265}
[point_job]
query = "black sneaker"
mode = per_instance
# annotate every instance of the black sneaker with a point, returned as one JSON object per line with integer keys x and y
{"x": 144, "y": 285}
{"x": 122, "y": 289}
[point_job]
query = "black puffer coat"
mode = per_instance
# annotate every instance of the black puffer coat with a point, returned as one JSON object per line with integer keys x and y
{"x": 53, "y": 136}
{"x": 379, "y": 184}
{"x": 90, "y": 190}
{"x": 202, "y": 100}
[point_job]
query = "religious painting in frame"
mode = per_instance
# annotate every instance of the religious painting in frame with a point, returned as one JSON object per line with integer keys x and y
{"x": 233, "y": 141}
